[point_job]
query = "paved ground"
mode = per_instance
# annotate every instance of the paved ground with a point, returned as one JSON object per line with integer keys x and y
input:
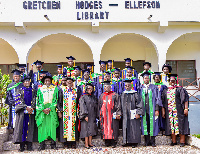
{"x": 161, "y": 149}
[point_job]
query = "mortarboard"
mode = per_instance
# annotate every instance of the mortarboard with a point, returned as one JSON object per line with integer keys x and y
{"x": 117, "y": 69}
{"x": 70, "y": 58}
{"x": 69, "y": 78}
{"x": 38, "y": 63}
{"x": 127, "y": 81}
{"x": 127, "y": 60}
{"x": 86, "y": 70}
{"x": 26, "y": 78}
{"x": 43, "y": 72}
{"x": 110, "y": 61}
{"x": 108, "y": 73}
{"x": 102, "y": 62}
{"x": 59, "y": 66}
{"x": 78, "y": 68}
{"x": 129, "y": 68}
{"x": 16, "y": 72}
{"x": 89, "y": 65}
{"x": 147, "y": 63}
{"x": 106, "y": 82}
{"x": 157, "y": 73}
{"x": 145, "y": 74}
{"x": 21, "y": 65}
{"x": 172, "y": 75}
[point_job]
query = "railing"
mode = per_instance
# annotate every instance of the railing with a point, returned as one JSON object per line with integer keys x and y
{"x": 187, "y": 83}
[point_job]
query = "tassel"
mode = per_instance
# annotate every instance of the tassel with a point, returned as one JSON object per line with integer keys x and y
{"x": 112, "y": 64}
{"x": 92, "y": 69}
{"x": 90, "y": 75}
{"x": 74, "y": 63}
{"x": 106, "y": 67}
{"x": 38, "y": 76}
{"x": 62, "y": 69}
{"x": 122, "y": 74}
{"x": 81, "y": 74}
{"x": 131, "y": 62}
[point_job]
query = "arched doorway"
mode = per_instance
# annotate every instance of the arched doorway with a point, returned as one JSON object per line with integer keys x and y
{"x": 183, "y": 55}
{"x": 53, "y": 49}
{"x": 8, "y": 58}
{"x": 134, "y": 46}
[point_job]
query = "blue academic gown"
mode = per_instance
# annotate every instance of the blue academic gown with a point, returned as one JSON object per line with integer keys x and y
{"x": 12, "y": 99}
{"x": 124, "y": 73}
{"x": 155, "y": 104}
{"x": 117, "y": 85}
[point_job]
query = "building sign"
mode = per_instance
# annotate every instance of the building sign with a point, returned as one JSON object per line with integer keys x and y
{"x": 34, "y": 5}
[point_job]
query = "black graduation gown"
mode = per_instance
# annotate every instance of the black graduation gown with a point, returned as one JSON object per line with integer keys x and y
{"x": 32, "y": 135}
{"x": 131, "y": 127}
{"x": 88, "y": 108}
{"x": 10, "y": 101}
{"x": 181, "y": 96}
{"x": 111, "y": 102}
{"x": 60, "y": 109}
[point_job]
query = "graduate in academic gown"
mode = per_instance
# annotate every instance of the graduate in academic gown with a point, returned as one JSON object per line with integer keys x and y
{"x": 88, "y": 114}
{"x": 128, "y": 63}
{"x": 110, "y": 67}
{"x": 46, "y": 116}
{"x": 13, "y": 96}
{"x": 130, "y": 76}
{"x": 36, "y": 75}
{"x": 42, "y": 74}
{"x": 86, "y": 79}
{"x": 58, "y": 78}
{"x": 109, "y": 114}
{"x": 100, "y": 78}
{"x": 167, "y": 69}
{"x": 67, "y": 113}
{"x": 161, "y": 87}
{"x": 69, "y": 70}
{"x": 116, "y": 82}
{"x": 149, "y": 122}
{"x": 25, "y": 131}
{"x": 176, "y": 102}
{"x": 22, "y": 68}
{"x": 147, "y": 66}
{"x": 132, "y": 109}
{"x": 77, "y": 76}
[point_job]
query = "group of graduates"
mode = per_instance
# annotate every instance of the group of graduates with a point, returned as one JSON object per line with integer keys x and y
{"x": 75, "y": 103}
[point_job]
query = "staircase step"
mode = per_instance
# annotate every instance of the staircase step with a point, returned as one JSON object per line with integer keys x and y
{"x": 97, "y": 141}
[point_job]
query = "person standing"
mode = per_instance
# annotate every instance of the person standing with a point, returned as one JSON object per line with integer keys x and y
{"x": 46, "y": 116}
{"x": 109, "y": 115}
{"x": 88, "y": 114}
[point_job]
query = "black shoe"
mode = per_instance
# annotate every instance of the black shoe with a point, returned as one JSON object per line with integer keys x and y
{"x": 153, "y": 145}
{"x": 113, "y": 146}
{"x": 182, "y": 144}
{"x": 54, "y": 147}
{"x": 74, "y": 146}
{"x": 124, "y": 145}
{"x": 172, "y": 144}
{"x": 91, "y": 146}
{"x": 30, "y": 149}
{"x": 134, "y": 145}
{"x": 41, "y": 148}
{"x": 87, "y": 147}
{"x": 21, "y": 149}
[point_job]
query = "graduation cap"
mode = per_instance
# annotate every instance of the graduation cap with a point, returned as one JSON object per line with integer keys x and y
{"x": 110, "y": 61}
{"x": 147, "y": 63}
{"x": 16, "y": 72}
{"x": 64, "y": 76}
{"x": 127, "y": 81}
{"x": 90, "y": 65}
{"x": 26, "y": 78}
{"x": 128, "y": 60}
{"x": 70, "y": 58}
{"x": 157, "y": 73}
{"x": 69, "y": 78}
{"x": 78, "y": 68}
{"x": 172, "y": 75}
{"x": 46, "y": 77}
{"x": 38, "y": 62}
{"x": 44, "y": 72}
{"x": 129, "y": 68}
{"x": 106, "y": 82}
{"x": 169, "y": 67}
{"x": 102, "y": 62}
{"x": 59, "y": 66}
{"x": 117, "y": 69}
{"x": 86, "y": 70}
{"x": 145, "y": 74}
{"x": 107, "y": 72}
{"x": 21, "y": 65}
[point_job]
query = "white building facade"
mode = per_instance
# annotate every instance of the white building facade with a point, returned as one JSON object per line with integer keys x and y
{"x": 156, "y": 31}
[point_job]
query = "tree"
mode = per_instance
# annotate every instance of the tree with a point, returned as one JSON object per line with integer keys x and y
{"x": 4, "y": 82}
